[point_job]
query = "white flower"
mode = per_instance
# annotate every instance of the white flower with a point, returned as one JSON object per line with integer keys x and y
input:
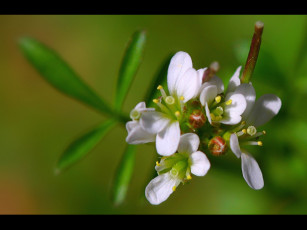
{"x": 246, "y": 89}
{"x": 136, "y": 134}
{"x": 265, "y": 108}
{"x": 219, "y": 109}
{"x": 177, "y": 168}
{"x": 183, "y": 84}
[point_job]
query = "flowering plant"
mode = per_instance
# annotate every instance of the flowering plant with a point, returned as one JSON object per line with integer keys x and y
{"x": 189, "y": 118}
{"x": 199, "y": 114}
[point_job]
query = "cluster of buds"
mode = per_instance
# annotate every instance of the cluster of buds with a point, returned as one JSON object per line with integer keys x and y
{"x": 198, "y": 115}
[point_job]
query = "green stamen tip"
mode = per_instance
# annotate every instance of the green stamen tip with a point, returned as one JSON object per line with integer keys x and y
{"x": 135, "y": 114}
{"x": 169, "y": 100}
{"x": 251, "y": 130}
{"x": 219, "y": 111}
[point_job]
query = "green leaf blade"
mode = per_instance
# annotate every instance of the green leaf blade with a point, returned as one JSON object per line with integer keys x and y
{"x": 123, "y": 175}
{"x": 129, "y": 66}
{"x": 78, "y": 149}
{"x": 57, "y": 72}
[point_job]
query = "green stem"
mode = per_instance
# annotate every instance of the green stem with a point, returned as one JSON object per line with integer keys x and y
{"x": 253, "y": 53}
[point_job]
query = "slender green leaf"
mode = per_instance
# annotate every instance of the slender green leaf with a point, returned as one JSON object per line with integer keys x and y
{"x": 159, "y": 79}
{"x": 123, "y": 175}
{"x": 56, "y": 71}
{"x": 129, "y": 66}
{"x": 78, "y": 149}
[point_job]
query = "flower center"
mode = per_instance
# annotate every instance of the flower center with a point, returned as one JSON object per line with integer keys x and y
{"x": 217, "y": 108}
{"x": 178, "y": 165}
{"x": 172, "y": 106}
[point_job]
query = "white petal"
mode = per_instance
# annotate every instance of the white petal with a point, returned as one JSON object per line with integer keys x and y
{"x": 248, "y": 91}
{"x": 188, "y": 85}
{"x": 137, "y": 135}
{"x": 251, "y": 171}
{"x": 154, "y": 122}
{"x": 160, "y": 188}
{"x": 231, "y": 119}
{"x": 131, "y": 124}
{"x": 234, "y": 81}
{"x": 140, "y": 105}
{"x": 218, "y": 83}
{"x": 238, "y": 104}
{"x": 208, "y": 113}
{"x": 234, "y": 145}
{"x": 208, "y": 94}
{"x": 200, "y": 163}
{"x": 232, "y": 112}
{"x": 168, "y": 139}
{"x": 265, "y": 108}
{"x": 179, "y": 64}
{"x": 188, "y": 143}
{"x": 200, "y": 74}
{"x": 215, "y": 80}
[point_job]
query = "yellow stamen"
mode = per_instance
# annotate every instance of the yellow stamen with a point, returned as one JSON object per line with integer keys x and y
{"x": 218, "y": 118}
{"x": 155, "y": 101}
{"x": 174, "y": 188}
{"x": 212, "y": 116}
{"x": 159, "y": 87}
{"x": 181, "y": 98}
{"x": 259, "y": 143}
{"x": 264, "y": 132}
{"x": 177, "y": 114}
{"x": 189, "y": 177}
{"x": 157, "y": 163}
{"x": 218, "y": 99}
{"x": 228, "y": 102}
{"x": 244, "y": 131}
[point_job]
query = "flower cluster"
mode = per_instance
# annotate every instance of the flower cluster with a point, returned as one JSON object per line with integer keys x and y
{"x": 197, "y": 115}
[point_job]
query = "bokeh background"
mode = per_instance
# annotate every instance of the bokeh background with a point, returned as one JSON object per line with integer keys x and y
{"x": 37, "y": 122}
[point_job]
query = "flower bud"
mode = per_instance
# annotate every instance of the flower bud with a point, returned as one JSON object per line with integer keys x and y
{"x": 217, "y": 146}
{"x": 197, "y": 119}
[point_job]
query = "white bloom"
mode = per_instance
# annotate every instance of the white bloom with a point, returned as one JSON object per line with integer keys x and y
{"x": 136, "y": 134}
{"x": 183, "y": 84}
{"x": 265, "y": 108}
{"x": 246, "y": 89}
{"x": 227, "y": 110}
{"x": 177, "y": 168}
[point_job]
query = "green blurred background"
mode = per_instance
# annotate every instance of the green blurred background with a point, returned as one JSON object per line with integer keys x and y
{"x": 37, "y": 122}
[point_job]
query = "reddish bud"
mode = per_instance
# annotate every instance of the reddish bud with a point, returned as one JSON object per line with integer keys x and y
{"x": 217, "y": 146}
{"x": 195, "y": 104}
{"x": 197, "y": 119}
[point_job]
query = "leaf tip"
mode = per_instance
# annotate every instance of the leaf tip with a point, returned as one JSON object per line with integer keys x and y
{"x": 23, "y": 41}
